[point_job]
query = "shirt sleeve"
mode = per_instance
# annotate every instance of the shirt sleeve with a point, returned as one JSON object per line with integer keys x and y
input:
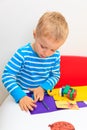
{"x": 9, "y": 75}
{"x": 54, "y": 76}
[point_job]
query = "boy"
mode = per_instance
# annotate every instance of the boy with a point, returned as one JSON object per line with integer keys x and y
{"x": 36, "y": 66}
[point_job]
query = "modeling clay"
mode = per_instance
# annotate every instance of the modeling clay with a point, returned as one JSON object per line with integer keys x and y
{"x": 69, "y": 92}
{"x": 62, "y": 125}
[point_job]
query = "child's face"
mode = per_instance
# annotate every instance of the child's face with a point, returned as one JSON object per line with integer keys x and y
{"x": 45, "y": 47}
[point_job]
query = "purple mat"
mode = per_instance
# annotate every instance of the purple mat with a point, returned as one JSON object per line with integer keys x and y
{"x": 49, "y": 105}
{"x": 81, "y": 104}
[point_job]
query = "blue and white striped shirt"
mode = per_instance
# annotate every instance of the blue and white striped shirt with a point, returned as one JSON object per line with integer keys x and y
{"x": 27, "y": 70}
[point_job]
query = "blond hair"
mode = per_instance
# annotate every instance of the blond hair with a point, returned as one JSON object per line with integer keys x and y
{"x": 52, "y": 25}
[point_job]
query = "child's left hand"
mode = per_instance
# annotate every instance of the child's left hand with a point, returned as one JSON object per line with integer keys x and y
{"x": 38, "y": 93}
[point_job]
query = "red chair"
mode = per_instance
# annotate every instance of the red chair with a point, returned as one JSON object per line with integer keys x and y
{"x": 73, "y": 71}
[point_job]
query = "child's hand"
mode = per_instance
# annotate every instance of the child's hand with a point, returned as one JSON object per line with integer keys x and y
{"x": 27, "y": 103}
{"x": 38, "y": 93}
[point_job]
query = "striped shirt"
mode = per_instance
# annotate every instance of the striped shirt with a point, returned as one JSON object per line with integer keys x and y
{"x": 27, "y": 70}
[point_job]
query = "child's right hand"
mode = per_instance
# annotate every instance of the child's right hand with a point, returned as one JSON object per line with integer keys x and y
{"x": 27, "y": 103}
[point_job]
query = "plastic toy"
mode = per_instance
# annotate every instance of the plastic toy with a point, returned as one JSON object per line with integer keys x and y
{"x": 69, "y": 92}
{"x": 65, "y": 93}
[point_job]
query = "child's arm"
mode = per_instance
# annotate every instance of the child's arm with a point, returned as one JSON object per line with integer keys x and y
{"x": 54, "y": 76}
{"x": 9, "y": 76}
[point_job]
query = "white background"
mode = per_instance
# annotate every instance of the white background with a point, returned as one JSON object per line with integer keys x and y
{"x": 18, "y": 18}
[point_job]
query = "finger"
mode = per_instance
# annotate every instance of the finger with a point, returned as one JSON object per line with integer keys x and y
{"x": 31, "y": 106}
{"x": 25, "y": 108}
{"x": 28, "y": 107}
{"x": 36, "y": 98}
{"x": 41, "y": 98}
{"x": 21, "y": 106}
{"x": 34, "y": 105}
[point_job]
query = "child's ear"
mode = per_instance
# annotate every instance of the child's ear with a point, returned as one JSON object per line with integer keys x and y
{"x": 34, "y": 33}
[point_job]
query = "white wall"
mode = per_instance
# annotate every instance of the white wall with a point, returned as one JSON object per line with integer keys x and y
{"x": 18, "y": 18}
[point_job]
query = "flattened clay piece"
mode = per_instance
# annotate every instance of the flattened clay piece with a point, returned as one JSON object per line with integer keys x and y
{"x": 62, "y": 125}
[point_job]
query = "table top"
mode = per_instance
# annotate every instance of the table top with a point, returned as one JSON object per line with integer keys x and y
{"x": 11, "y": 117}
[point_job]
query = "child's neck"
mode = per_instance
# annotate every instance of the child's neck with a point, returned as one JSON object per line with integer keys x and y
{"x": 32, "y": 45}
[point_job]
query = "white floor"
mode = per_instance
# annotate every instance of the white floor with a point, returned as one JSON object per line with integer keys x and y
{"x": 12, "y": 118}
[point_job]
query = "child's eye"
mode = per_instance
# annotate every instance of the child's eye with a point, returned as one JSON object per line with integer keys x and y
{"x": 52, "y": 50}
{"x": 42, "y": 46}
